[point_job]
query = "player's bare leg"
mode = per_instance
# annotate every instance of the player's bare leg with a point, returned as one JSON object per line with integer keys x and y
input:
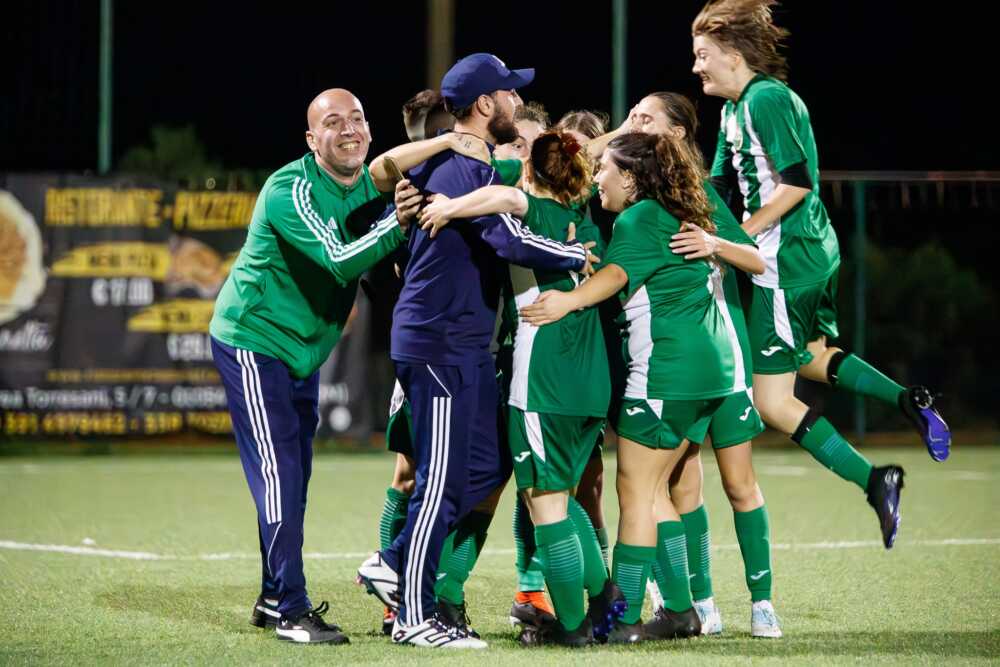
{"x": 775, "y": 400}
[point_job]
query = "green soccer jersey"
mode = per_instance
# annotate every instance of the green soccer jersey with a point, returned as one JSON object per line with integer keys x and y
{"x": 764, "y": 132}
{"x": 561, "y": 368}
{"x": 675, "y": 338}
{"x": 293, "y": 284}
{"x": 727, "y": 292}
{"x": 509, "y": 170}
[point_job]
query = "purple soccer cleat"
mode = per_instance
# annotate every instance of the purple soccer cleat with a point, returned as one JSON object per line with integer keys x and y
{"x": 884, "y": 486}
{"x": 917, "y": 403}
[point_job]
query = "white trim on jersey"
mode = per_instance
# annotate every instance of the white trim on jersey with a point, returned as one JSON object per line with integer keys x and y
{"x": 782, "y": 325}
{"x": 769, "y": 240}
{"x": 533, "y": 426}
{"x": 525, "y": 287}
{"x": 640, "y": 343}
{"x": 716, "y": 287}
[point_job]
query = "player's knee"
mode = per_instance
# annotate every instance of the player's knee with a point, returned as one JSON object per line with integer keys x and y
{"x": 781, "y": 413}
{"x": 741, "y": 489}
{"x": 685, "y": 489}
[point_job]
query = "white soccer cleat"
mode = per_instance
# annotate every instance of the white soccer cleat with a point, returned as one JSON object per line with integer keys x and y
{"x": 763, "y": 620}
{"x": 709, "y": 615}
{"x": 380, "y": 580}
{"x": 435, "y": 632}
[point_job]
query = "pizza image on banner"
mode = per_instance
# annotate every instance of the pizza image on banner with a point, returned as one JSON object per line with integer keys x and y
{"x": 22, "y": 274}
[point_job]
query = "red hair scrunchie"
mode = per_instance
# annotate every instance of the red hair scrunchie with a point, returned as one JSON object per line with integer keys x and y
{"x": 570, "y": 144}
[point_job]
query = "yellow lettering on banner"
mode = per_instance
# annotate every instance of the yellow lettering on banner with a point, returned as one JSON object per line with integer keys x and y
{"x": 210, "y": 422}
{"x": 103, "y": 207}
{"x": 64, "y": 375}
{"x": 174, "y": 316}
{"x": 213, "y": 210}
{"x": 114, "y": 260}
{"x": 151, "y": 375}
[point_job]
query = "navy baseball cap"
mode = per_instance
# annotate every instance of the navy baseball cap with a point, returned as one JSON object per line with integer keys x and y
{"x": 480, "y": 74}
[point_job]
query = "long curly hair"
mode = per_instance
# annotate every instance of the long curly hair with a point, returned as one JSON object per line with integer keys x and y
{"x": 664, "y": 169}
{"x": 560, "y": 165}
{"x": 746, "y": 26}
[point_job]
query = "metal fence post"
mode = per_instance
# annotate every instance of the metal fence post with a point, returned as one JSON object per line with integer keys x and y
{"x": 860, "y": 290}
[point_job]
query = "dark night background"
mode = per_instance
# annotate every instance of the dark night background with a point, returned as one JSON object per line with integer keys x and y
{"x": 889, "y": 84}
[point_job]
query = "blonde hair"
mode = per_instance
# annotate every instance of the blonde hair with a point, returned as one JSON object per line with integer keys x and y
{"x": 745, "y": 26}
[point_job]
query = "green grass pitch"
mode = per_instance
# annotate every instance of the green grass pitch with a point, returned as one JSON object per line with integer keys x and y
{"x": 840, "y": 596}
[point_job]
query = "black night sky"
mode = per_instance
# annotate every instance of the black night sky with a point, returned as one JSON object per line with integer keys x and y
{"x": 890, "y": 85}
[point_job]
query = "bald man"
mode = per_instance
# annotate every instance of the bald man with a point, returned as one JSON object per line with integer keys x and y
{"x": 315, "y": 229}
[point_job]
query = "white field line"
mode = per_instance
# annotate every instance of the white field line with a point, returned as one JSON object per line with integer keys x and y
{"x": 346, "y": 555}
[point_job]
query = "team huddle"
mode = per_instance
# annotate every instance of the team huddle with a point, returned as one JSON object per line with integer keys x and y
{"x": 560, "y": 285}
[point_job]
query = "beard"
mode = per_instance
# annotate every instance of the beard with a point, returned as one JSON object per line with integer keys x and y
{"x": 502, "y": 128}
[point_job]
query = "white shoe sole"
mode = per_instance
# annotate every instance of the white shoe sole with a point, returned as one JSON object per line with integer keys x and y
{"x": 769, "y": 633}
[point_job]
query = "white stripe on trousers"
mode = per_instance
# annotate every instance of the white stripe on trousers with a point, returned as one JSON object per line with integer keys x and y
{"x": 427, "y": 516}
{"x": 254, "y": 396}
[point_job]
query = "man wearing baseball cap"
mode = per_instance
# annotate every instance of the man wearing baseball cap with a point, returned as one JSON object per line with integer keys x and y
{"x": 441, "y": 331}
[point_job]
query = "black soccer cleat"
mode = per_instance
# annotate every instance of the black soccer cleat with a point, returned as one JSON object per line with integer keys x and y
{"x": 667, "y": 624}
{"x": 310, "y": 628}
{"x": 626, "y": 633}
{"x": 456, "y": 615}
{"x": 884, "y": 486}
{"x": 265, "y": 613}
{"x": 917, "y": 404}
{"x": 388, "y": 620}
{"x": 528, "y": 615}
{"x": 605, "y": 610}
{"x": 554, "y": 634}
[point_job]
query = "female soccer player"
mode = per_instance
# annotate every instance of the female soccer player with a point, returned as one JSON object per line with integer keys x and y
{"x": 558, "y": 398}
{"x": 735, "y": 424}
{"x": 766, "y": 143}
{"x": 681, "y": 364}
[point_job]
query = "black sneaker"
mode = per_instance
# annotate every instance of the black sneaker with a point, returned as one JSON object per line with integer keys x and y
{"x": 456, "y": 614}
{"x": 528, "y": 614}
{"x": 605, "y": 610}
{"x": 310, "y": 628}
{"x": 884, "y": 486}
{"x": 265, "y": 613}
{"x": 554, "y": 634}
{"x": 917, "y": 404}
{"x": 667, "y": 624}
{"x": 626, "y": 633}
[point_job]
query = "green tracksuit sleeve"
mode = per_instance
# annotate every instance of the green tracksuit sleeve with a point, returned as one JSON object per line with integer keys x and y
{"x": 292, "y": 211}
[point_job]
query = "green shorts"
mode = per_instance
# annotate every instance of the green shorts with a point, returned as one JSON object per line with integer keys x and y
{"x": 399, "y": 429}
{"x": 550, "y": 451}
{"x": 784, "y": 321}
{"x": 665, "y": 424}
{"x": 736, "y": 421}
